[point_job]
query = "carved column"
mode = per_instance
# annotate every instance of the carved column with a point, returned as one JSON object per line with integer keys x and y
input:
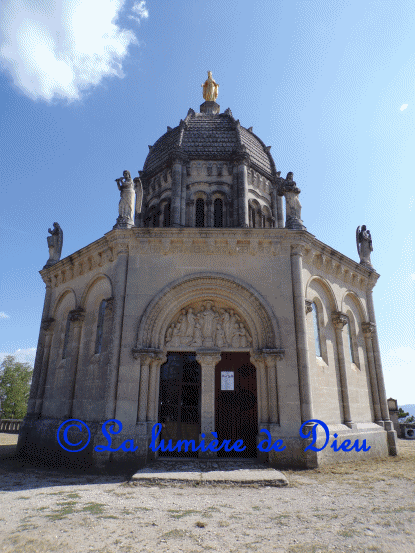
{"x": 297, "y": 251}
{"x": 262, "y": 389}
{"x": 279, "y": 216}
{"x": 208, "y": 362}
{"x": 183, "y": 202}
{"x": 48, "y": 326}
{"x": 378, "y": 364}
{"x": 209, "y": 215}
{"x": 76, "y": 316}
{"x": 120, "y": 284}
{"x": 271, "y": 364}
{"x": 176, "y": 189}
{"x": 243, "y": 162}
{"x": 40, "y": 349}
{"x": 339, "y": 321}
{"x": 154, "y": 386}
{"x": 190, "y": 209}
{"x": 368, "y": 329}
{"x": 146, "y": 359}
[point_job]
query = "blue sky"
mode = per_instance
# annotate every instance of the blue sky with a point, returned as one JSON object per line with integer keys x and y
{"x": 86, "y": 86}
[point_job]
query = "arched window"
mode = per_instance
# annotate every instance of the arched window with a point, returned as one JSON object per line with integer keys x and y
{"x": 200, "y": 213}
{"x": 253, "y": 218}
{"x": 349, "y": 333}
{"x": 100, "y": 326}
{"x": 166, "y": 215}
{"x": 316, "y": 330}
{"x": 66, "y": 338}
{"x": 218, "y": 213}
{"x": 155, "y": 218}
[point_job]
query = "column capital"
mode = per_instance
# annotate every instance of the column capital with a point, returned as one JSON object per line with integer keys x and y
{"x": 368, "y": 329}
{"x": 77, "y": 315}
{"x": 298, "y": 249}
{"x": 339, "y": 319}
{"x": 308, "y": 306}
{"x": 209, "y": 358}
{"x": 146, "y": 355}
{"x": 47, "y": 324}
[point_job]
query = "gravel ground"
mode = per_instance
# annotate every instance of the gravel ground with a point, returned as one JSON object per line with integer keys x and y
{"x": 361, "y": 507}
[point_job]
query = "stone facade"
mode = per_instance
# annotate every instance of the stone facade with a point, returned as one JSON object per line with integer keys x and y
{"x": 115, "y": 309}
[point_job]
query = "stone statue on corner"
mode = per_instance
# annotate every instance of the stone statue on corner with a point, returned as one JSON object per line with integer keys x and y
{"x": 126, "y": 207}
{"x": 364, "y": 246}
{"x": 55, "y": 242}
{"x": 288, "y": 188}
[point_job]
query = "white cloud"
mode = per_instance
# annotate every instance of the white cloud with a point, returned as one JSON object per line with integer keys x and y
{"x": 404, "y": 106}
{"x": 57, "y": 49}
{"x": 4, "y": 315}
{"x": 413, "y": 276}
{"x": 141, "y": 11}
{"x": 22, "y": 355}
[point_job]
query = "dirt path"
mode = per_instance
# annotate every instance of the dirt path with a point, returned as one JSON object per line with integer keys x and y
{"x": 361, "y": 507}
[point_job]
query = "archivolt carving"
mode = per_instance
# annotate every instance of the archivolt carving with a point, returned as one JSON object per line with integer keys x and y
{"x": 223, "y": 293}
{"x": 208, "y": 327}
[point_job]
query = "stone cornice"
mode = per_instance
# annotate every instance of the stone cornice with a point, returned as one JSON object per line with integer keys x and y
{"x": 322, "y": 260}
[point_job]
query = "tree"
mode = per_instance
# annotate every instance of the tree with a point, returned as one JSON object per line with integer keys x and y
{"x": 402, "y": 414}
{"x": 15, "y": 378}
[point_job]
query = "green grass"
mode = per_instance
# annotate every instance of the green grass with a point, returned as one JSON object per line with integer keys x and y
{"x": 94, "y": 508}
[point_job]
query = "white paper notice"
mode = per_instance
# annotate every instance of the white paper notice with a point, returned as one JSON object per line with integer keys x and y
{"x": 227, "y": 380}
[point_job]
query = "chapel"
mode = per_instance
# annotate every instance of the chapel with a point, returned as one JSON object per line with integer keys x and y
{"x": 208, "y": 309}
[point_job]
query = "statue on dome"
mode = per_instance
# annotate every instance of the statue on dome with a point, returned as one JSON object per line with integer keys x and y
{"x": 364, "y": 246}
{"x": 126, "y": 207}
{"x": 55, "y": 242}
{"x": 210, "y": 88}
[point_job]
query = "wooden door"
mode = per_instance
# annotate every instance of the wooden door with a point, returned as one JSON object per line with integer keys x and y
{"x": 236, "y": 403}
{"x": 179, "y": 401}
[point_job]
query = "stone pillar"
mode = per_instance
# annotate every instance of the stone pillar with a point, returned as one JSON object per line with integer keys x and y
{"x": 280, "y": 212}
{"x": 262, "y": 389}
{"x": 48, "y": 326}
{"x": 190, "y": 217}
{"x": 368, "y": 329}
{"x": 209, "y": 214}
{"x": 208, "y": 362}
{"x": 76, "y": 317}
{"x": 146, "y": 359}
{"x": 339, "y": 321}
{"x": 271, "y": 364}
{"x": 40, "y": 348}
{"x": 301, "y": 332}
{"x": 120, "y": 284}
{"x": 154, "y": 387}
{"x": 243, "y": 192}
{"x": 183, "y": 198}
{"x": 176, "y": 192}
{"x": 387, "y": 423}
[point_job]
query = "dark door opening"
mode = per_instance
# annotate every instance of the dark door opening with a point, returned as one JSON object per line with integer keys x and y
{"x": 179, "y": 402}
{"x": 236, "y": 403}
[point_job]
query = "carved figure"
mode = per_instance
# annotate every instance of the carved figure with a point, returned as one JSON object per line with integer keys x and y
{"x": 126, "y": 206}
{"x": 207, "y": 328}
{"x": 210, "y": 88}
{"x": 364, "y": 245}
{"x": 55, "y": 242}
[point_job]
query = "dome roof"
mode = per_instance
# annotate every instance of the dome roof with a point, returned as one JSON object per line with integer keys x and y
{"x": 211, "y": 137}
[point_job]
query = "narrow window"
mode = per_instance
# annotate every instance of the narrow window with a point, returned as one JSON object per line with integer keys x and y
{"x": 155, "y": 219}
{"x": 66, "y": 338}
{"x": 218, "y": 213}
{"x": 166, "y": 215}
{"x": 100, "y": 326}
{"x": 349, "y": 333}
{"x": 200, "y": 213}
{"x": 253, "y": 218}
{"x": 316, "y": 330}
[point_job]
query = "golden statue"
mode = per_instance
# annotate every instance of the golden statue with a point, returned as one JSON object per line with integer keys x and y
{"x": 210, "y": 88}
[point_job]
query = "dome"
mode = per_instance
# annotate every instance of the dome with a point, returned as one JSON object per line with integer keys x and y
{"x": 209, "y": 136}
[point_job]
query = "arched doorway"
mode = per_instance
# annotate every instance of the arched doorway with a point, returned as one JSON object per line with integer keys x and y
{"x": 236, "y": 414}
{"x": 179, "y": 401}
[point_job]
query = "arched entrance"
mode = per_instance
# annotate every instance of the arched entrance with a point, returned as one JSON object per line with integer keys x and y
{"x": 236, "y": 403}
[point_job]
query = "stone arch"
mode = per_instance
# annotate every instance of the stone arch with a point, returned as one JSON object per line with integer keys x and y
{"x": 61, "y": 298}
{"x": 227, "y": 289}
{"x": 90, "y": 286}
{"x": 358, "y": 303}
{"x": 326, "y": 287}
